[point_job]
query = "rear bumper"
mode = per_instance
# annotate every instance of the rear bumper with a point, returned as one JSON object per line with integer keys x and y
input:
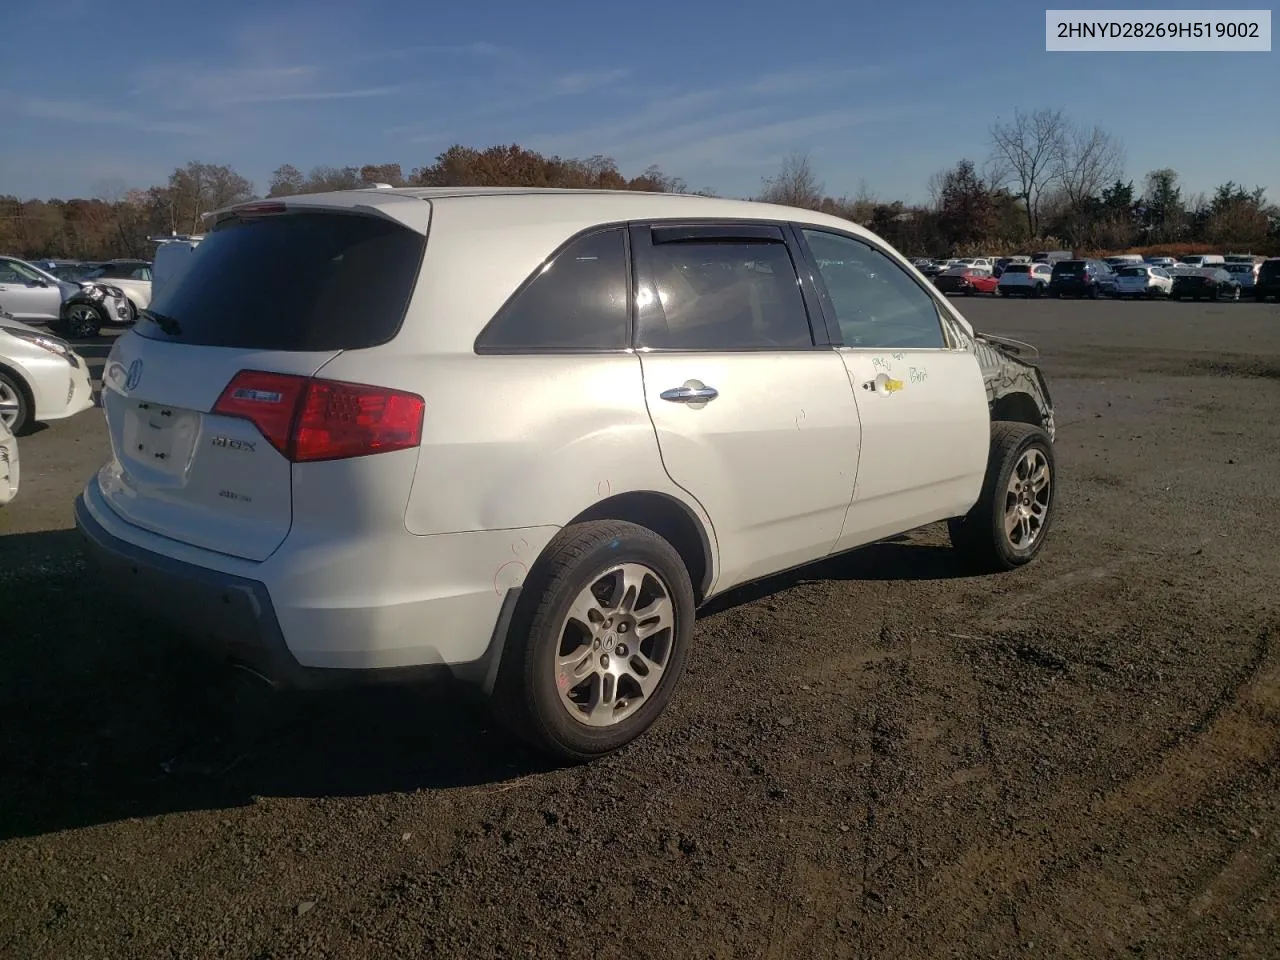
{"x": 235, "y": 618}
{"x": 228, "y": 616}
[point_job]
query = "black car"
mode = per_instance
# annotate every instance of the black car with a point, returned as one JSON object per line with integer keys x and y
{"x": 1209, "y": 283}
{"x": 1082, "y": 278}
{"x": 1267, "y": 283}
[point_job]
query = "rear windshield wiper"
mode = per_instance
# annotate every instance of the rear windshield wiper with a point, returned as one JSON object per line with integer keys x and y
{"x": 165, "y": 323}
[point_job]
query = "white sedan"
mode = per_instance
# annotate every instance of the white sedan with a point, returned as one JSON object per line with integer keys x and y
{"x": 41, "y": 377}
{"x": 1143, "y": 281}
{"x": 8, "y": 465}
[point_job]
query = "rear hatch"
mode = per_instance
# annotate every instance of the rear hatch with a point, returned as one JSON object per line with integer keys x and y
{"x": 1068, "y": 271}
{"x": 207, "y": 399}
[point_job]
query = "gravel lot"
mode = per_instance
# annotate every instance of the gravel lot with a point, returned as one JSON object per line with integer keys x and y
{"x": 880, "y": 757}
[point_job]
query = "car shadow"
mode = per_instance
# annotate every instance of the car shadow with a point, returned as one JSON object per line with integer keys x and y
{"x": 897, "y": 558}
{"x": 105, "y": 715}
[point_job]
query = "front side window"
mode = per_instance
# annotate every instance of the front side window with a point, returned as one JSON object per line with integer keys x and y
{"x": 876, "y": 302}
{"x": 724, "y": 295}
{"x": 578, "y": 301}
{"x": 13, "y": 272}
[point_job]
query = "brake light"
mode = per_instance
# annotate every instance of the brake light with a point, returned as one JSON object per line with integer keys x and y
{"x": 260, "y": 208}
{"x": 308, "y": 419}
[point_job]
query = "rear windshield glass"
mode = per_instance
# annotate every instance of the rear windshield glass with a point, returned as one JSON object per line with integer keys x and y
{"x": 1017, "y": 268}
{"x": 304, "y": 281}
{"x": 1270, "y": 269}
{"x": 1068, "y": 266}
{"x": 1133, "y": 272}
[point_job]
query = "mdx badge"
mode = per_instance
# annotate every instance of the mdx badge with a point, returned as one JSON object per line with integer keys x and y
{"x": 232, "y": 444}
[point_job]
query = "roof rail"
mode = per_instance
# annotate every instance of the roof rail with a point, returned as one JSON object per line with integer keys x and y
{"x": 175, "y": 236}
{"x": 381, "y": 186}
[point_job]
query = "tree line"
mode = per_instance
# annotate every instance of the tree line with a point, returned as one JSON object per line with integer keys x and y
{"x": 1047, "y": 182}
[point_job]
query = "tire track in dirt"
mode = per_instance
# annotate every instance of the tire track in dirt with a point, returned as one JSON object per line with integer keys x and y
{"x": 1239, "y": 736}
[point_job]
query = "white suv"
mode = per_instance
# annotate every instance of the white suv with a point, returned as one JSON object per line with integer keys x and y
{"x": 521, "y": 435}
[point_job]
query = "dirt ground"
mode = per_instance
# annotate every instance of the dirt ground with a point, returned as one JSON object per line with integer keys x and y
{"x": 881, "y": 757}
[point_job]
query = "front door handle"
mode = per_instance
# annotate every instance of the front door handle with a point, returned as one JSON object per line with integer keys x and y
{"x": 690, "y": 393}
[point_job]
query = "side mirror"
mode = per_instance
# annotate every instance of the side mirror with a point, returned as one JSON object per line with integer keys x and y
{"x": 40, "y": 282}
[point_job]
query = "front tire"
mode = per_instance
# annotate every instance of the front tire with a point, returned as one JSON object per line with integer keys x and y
{"x": 15, "y": 404}
{"x": 84, "y": 321}
{"x": 1007, "y": 526}
{"x": 575, "y": 681}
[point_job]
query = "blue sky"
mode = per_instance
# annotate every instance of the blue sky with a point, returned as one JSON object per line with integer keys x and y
{"x": 717, "y": 93}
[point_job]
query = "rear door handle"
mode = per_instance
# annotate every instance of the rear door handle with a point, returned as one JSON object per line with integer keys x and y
{"x": 690, "y": 394}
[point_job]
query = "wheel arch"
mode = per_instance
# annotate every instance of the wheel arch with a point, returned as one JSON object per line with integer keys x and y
{"x": 1017, "y": 406}
{"x": 17, "y": 376}
{"x": 672, "y": 520}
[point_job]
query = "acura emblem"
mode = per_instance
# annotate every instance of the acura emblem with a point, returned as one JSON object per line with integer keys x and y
{"x": 134, "y": 375}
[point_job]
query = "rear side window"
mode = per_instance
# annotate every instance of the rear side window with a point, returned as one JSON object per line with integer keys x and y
{"x": 576, "y": 302}
{"x": 304, "y": 281}
{"x": 725, "y": 295}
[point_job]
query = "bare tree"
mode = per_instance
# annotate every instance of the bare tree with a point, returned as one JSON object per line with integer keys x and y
{"x": 794, "y": 185}
{"x": 1088, "y": 160}
{"x": 1025, "y": 157}
{"x": 937, "y": 182}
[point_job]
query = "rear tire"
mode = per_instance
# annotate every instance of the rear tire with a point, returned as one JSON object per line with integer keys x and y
{"x": 1018, "y": 492}
{"x": 555, "y": 669}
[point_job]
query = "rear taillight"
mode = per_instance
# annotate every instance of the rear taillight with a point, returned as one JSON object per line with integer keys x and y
{"x": 307, "y": 419}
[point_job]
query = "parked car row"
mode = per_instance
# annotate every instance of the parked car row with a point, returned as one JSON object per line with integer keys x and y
{"x": 1198, "y": 277}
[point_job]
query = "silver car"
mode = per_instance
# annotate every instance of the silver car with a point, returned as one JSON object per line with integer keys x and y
{"x": 1245, "y": 273}
{"x": 81, "y": 308}
{"x": 32, "y": 295}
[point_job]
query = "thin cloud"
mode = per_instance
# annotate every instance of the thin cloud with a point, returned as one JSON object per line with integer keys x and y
{"x": 359, "y": 94}
{"x": 751, "y": 145}
{"x": 78, "y": 112}
{"x": 695, "y": 113}
{"x": 812, "y": 78}
{"x": 574, "y": 83}
{"x": 520, "y": 91}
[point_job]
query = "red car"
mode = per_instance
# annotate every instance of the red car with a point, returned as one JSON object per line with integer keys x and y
{"x": 966, "y": 280}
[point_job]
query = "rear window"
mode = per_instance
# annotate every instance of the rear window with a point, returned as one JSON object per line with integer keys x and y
{"x": 1133, "y": 272}
{"x": 1017, "y": 268}
{"x": 1068, "y": 266}
{"x": 301, "y": 281}
{"x": 1270, "y": 270}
